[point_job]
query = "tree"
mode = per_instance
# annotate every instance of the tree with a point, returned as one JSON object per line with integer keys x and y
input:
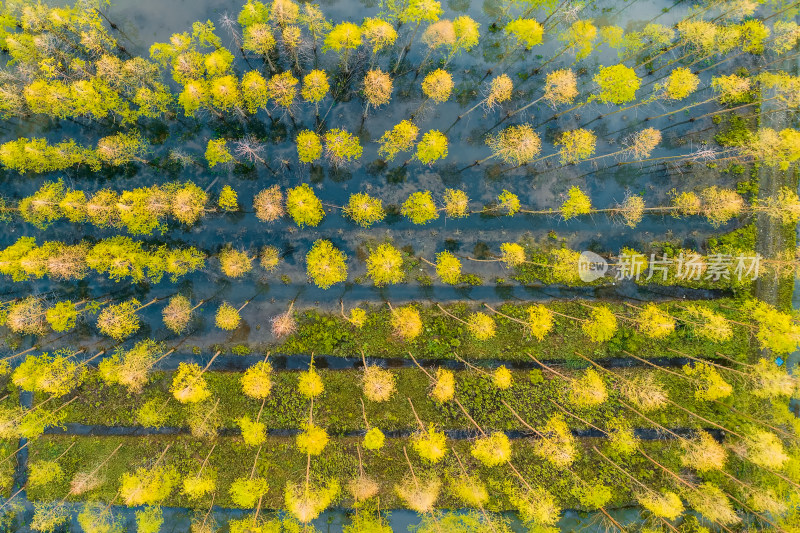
{"x": 254, "y": 91}
{"x": 561, "y": 87}
{"x": 580, "y": 36}
{"x": 342, "y": 39}
{"x": 703, "y": 453}
{"x": 312, "y": 440}
{"x": 378, "y": 33}
{"x": 430, "y": 444}
{"x": 315, "y": 86}
{"x": 557, "y": 444}
{"x": 601, "y": 325}
{"x": 217, "y": 152}
{"x": 456, "y": 203}
{"x": 27, "y": 316}
{"x": 419, "y": 208}
{"x": 515, "y": 145}
{"x": 712, "y": 503}
{"x": 374, "y": 439}
{"x": 492, "y": 450}
{"x": 576, "y": 145}
{"x": 341, "y": 147}
{"x": 309, "y": 384}
{"x": 444, "y": 386}
{"x": 406, "y": 323}
{"x": 655, "y": 322}
{"x": 385, "y": 265}
{"x": 432, "y": 147}
{"x": 227, "y": 317}
{"x": 379, "y": 384}
{"x": 438, "y": 85}
{"x": 234, "y": 263}
{"x": 589, "y": 390}
{"x": 188, "y": 384}
{"x": 177, "y": 314}
{"x": 306, "y": 501}
{"x": 254, "y": 432}
{"x": 257, "y": 381}
{"x": 664, "y": 504}
{"x": 399, "y": 139}
{"x": 377, "y": 88}
{"x": 525, "y": 32}
{"x": 364, "y": 209}
{"x": 419, "y": 495}
{"x": 148, "y": 486}
{"x": 309, "y": 146}
{"x": 681, "y": 83}
{"x": 149, "y": 520}
{"x": 540, "y": 321}
{"x": 577, "y": 203}
{"x": 508, "y": 203}
{"x": 501, "y": 378}
{"x": 325, "y": 264}
{"x": 448, "y": 268}
{"x": 269, "y": 258}
{"x": 130, "y": 368}
{"x": 42, "y": 208}
{"x": 709, "y": 384}
{"x": 282, "y": 89}
{"x": 56, "y": 375}
{"x": 246, "y": 492}
{"x": 617, "y": 84}
{"x": 536, "y": 506}
{"x": 228, "y": 199}
{"x": 268, "y": 204}
{"x": 119, "y": 321}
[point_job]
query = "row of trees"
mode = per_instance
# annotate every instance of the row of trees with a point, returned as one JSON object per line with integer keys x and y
{"x": 643, "y": 397}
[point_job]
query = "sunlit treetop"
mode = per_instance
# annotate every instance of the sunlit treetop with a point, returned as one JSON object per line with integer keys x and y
{"x": 385, "y": 265}
{"x": 612, "y": 36}
{"x": 786, "y": 35}
{"x": 343, "y": 36}
{"x": 774, "y": 148}
{"x": 418, "y": 11}
{"x": 218, "y": 62}
{"x": 377, "y": 88}
{"x": 785, "y": 86}
{"x": 419, "y": 208}
{"x": 225, "y": 94}
{"x": 577, "y": 203}
{"x": 406, "y": 322}
{"x": 642, "y": 143}
{"x": 283, "y": 12}
{"x": 315, "y": 86}
{"x": 681, "y": 83}
{"x": 515, "y": 144}
{"x": 400, "y": 138}
{"x": 700, "y": 35}
{"x": 303, "y": 206}
{"x": 282, "y": 89}
{"x": 342, "y": 147}
{"x": 512, "y": 254}
{"x": 448, "y": 268}
{"x": 309, "y": 146}
{"x": 378, "y": 33}
{"x": 753, "y": 34}
{"x": 292, "y": 36}
{"x": 325, "y": 264}
{"x": 254, "y": 91}
{"x": 467, "y": 34}
{"x": 253, "y": 12}
{"x": 561, "y": 87}
{"x": 508, "y": 203}
{"x": 617, "y": 84}
{"x": 580, "y": 37}
{"x": 576, "y": 145}
{"x": 439, "y": 34}
{"x": 732, "y": 89}
{"x": 456, "y": 203}
{"x": 194, "y": 97}
{"x": 526, "y": 32}
{"x": 258, "y": 38}
{"x": 217, "y": 152}
{"x": 500, "y": 90}
{"x": 314, "y": 20}
{"x": 364, "y": 209}
{"x": 438, "y": 85}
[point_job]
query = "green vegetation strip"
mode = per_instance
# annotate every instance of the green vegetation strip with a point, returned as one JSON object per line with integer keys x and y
{"x": 338, "y": 409}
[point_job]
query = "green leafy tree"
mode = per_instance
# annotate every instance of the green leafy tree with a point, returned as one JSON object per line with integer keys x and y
{"x": 149, "y": 520}
{"x": 448, "y": 268}
{"x": 577, "y": 203}
{"x": 385, "y": 265}
{"x": 254, "y": 432}
{"x": 419, "y": 208}
{"x": 188, "y": 384}
{"x": 148, "y": 486}
{"x": 601, "y": 324}
{"x": 257, "y": 381}
{"x": 227, "y": 317}
{"x": 246, "y": 492}
{"x": 303, "y": 206}
{"x": 217, "y": 152}
{"x": 309, "y": 146}
{"x": 364, "y": 209}
{"x": 228, "y": 199}
{"x": 617, "y": 84}
{"x": 342, "y": 147}
{"x": 312, "y": 440}
{"x": 430, "y": 444}
{"x": 119, "y": 321}
{"x": 432, "y": 147}
{"x": 400, "y": 138}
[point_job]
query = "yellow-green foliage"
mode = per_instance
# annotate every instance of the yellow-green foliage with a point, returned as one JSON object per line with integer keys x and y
{"x": 654, "y": 322}
{"x": 303, "y": 206}
{"x": 557, "y": 444}
{"x": 501, "y": 378}
{"x": 309, "y": 146}
{"x": 513, "y": 254}
{"x": 508, "y": 203}
{"x": 228, "y": 199}
{"x": 588, "y": 390}
{"x": 709, "y": 384}
{"x": 681, "y": 83}
{"x": 246, "y": 491}
{"x": 576, "y": 204}
{"x": 703, "y": 453}
{"x": 309, "y": 384}
{"x": 448, "y": 268}
{"x": 374, "y": 439}
{"x": 456, "y": 203}
{"x": 217, "y": 153}
{"x": 601, "y": 324}
{"x": 385, "y": 265}
{"x": 325, "y": 264}
{"x": 407, "y": 323}
{"x": 188, "y": 384}
{"x": 515, "y": 145}
{"x": 227, "y": 317}
{"x": 444, "y": 386}
{"x": 665, "y": 504}
{"x": 379, "y": 33}
{"x": 119, "y": 321}
{"x": 576, "y": 145}
{"x": 234, "y": 263}
{"x": 147, "y": 486}
{"x": 536, "y": 507}
{"x": 492, "y": 450}
{"x": 400, "y": 138}
{"x": 709, "y": 325}
{"x": 419, "y": 208}
{"x": 315, "y": 86}
{"x": 305, "y": 502}
{"x": 526, "y": 32}
{"x": 257, "y": 380}
{"x": 149, "y": 520}
{"x": 364, "y": 210}
{"x": 470, "y": 490}
{"x": 312, "y": 440}
{"x": 344, "y": 36}
{"x": 438, "y": 85}
{"x": 580, "y": 37}
{"x": 617, "y": 84}
{"x": 777, "y": 331}
{"x": 378, "y": 384}
{"x": 432, "y": 147}
{"x": 481, "y": 326}
{"x": 358, "y": 317}
{"x": 430, "y": 444}
{"x": 199, "y": 485}
{"x": 540, "y": 321}
{"x": 342, "y": 147}
{"x": 765, "y": 449}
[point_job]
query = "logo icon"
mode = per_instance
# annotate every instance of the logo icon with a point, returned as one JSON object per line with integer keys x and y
{"x": 591, "y": 266}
